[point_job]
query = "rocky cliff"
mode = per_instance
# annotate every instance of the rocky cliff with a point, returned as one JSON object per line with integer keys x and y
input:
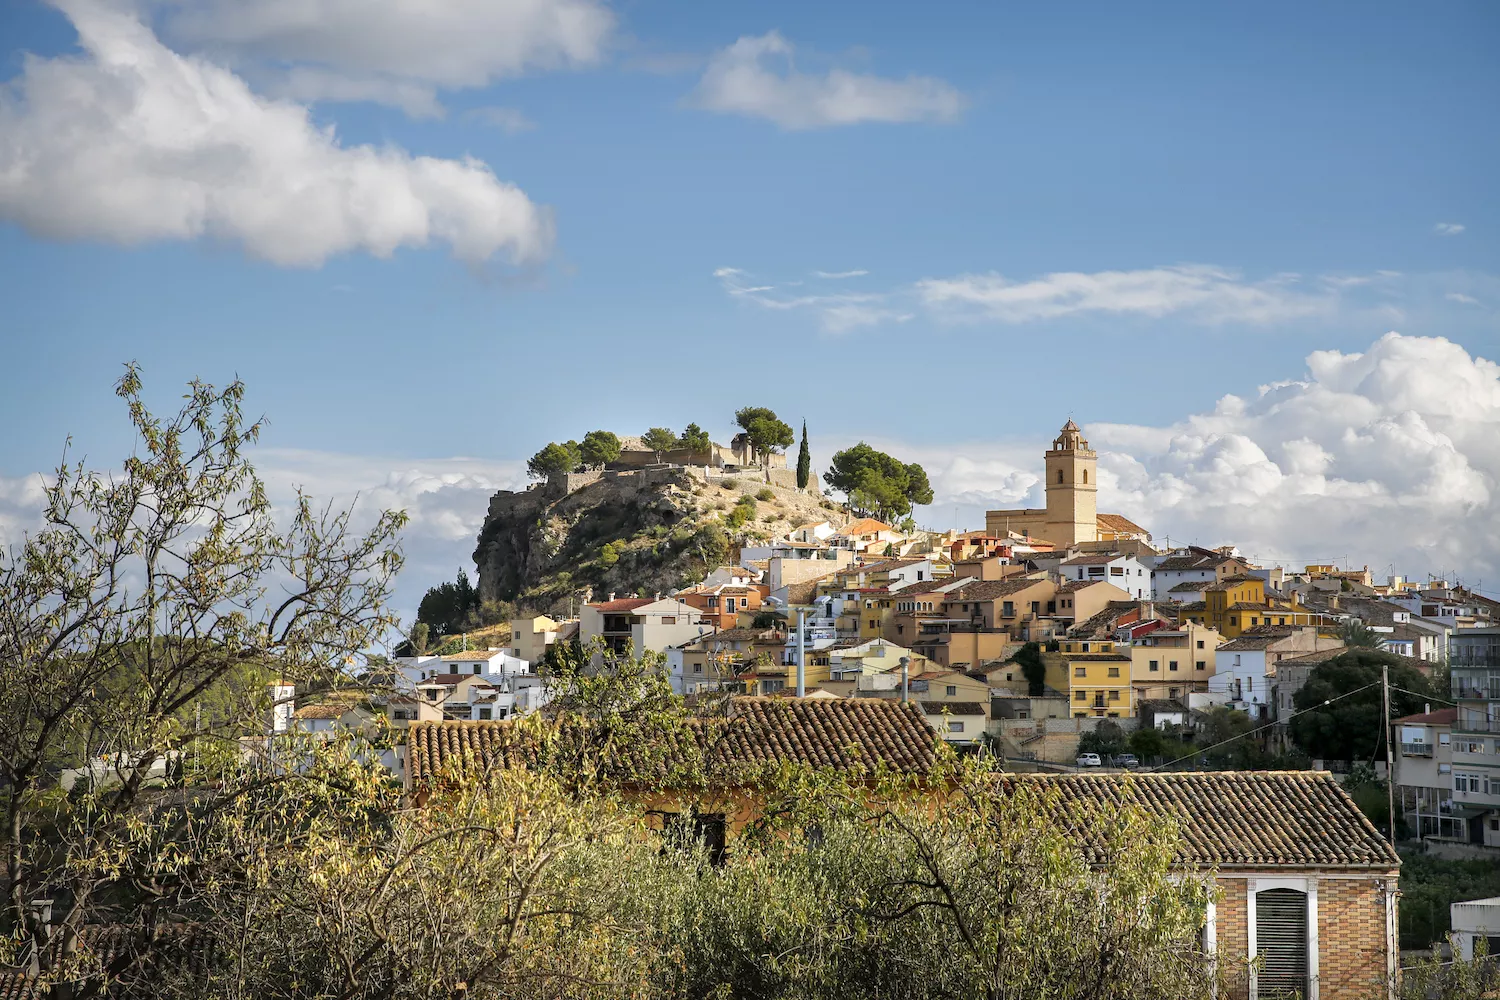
{"x": 653, "y": 531}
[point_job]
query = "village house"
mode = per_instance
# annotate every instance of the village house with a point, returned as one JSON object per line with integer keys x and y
{"x": 960, "y": 723}
{"x": 1096, "y": 676}
{"x": 1192, "y": 565}
{"x": 640, "y": 624}
{"x": 1245, "y": 668}
{"x": 1307, "y": 888}
{"x": 1079, "y": 600}
{"x": 721, "y": 604}
{"x": 1124, "y": 572}
{"x": 1238, "y": 604}
{"x": 1174, "y": 663}
{"x": 530, "y": 638}
{"x": 1424, "y": 777}
{"x": 1001, "y": 604}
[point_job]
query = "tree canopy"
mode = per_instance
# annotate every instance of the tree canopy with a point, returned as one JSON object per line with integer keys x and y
{"x": 444, "y": 607}
{"x": 767, "y": 432}
{"x": 876, "y": 484}
{"x": 554, "y": 460}
{"x": 694, "y": 439}
{"x": 1350, "y": 728}
{"x": 599, "y": 448}
{"x": 659, "y": 439}
{"x": 804, "y": 461}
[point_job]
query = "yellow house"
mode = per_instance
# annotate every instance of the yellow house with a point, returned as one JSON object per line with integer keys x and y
{"x": 1171, "y": 663}
{"x": 1238, "y": 603}
{"x": 530, "y": 637}
{"x": 1096, "y": 676}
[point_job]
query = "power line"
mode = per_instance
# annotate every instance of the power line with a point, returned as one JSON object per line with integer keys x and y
{"x": 1252, "y": 732}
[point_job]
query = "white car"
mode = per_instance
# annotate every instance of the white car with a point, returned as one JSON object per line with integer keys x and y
{"x": 1089, "y": 760}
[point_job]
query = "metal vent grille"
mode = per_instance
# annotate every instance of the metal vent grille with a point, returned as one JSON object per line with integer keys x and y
{"x": 1281, "y": 943}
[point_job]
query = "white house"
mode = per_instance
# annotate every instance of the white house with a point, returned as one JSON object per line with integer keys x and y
{"x": 1245, "y": 667}
{"x": 491, "y": 663}
{"x": 961, "y": 723}
{"x": 641, "y": 623}
{"x": 1477, "y": 919}
{"x": 1125, "y": 572}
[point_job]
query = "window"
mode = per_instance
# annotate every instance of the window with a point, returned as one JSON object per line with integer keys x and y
{"x": 1281, "y": 942}
{"x": 919, "y": 576}
{"x": 1114, "y": 671}
{"x": 1465, "y": 782}
{"x": 476, "y": 668}
{"x": 1172, "y": 692}
{"x": 955, "y": 727}
{"x": 1171, "y": 664}
{"x": 672, "y": 619}
{"x": 705, "y": 829}
{"x": 1008, "y": 609}
{"x": 1233, "y": 620}
{"x": 1154, "y": 667}
{"x": 1252, "y": 620}
{"x": 1080, "y": 671}
{"x": 1059, "y": 475}
{"x": 1080, "y": 696}
{"x": 697, "y": 668}
{"x": 1117, "y": 571}
{"x": 1114, "y": 694}
{"x": 484, "y": 714}
{"x": 1036, "y": 607}
{"x": 1200, "y": 643}
{"x": 874, "y": 623}
{"x": 1200, "y": 665}
{"x": 1085, "y": 475}
{"x": 1085, "y": 647}
{"x": 951, "y": 690}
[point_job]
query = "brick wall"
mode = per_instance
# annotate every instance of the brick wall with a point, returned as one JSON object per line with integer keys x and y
{"x": 1351, "y": 937}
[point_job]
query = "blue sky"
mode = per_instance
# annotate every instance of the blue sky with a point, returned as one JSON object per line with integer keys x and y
{"x": 1116, "y": 213}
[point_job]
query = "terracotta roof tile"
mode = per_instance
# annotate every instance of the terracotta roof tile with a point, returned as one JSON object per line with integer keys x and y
{"x": 624, "y": 604}
{"x": 854, "y": 733}
{"x": 1442, "y": 717}
{"x": 1228, "y": 819}
{"x": 1120, "y": 523}
{"x": 15, "y": 986}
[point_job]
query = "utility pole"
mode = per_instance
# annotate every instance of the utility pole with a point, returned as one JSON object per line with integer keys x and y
{"x": 1390, "y": 766}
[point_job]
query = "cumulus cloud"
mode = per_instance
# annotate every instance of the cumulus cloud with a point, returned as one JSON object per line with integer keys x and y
{"x": 757, "y": 77}
{"x": 1448, "y": 228}
{"x": 839, "y": 275}
{"x": 131, "y": 142}
{"x": 1210, "y": 292}
{"x": 1389, "y": 457}
{"x": 381, "y": 50}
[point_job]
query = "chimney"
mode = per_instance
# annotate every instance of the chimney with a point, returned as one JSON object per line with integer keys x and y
{"x": 1426, "y": 708}
{"x": 611, "y": 595}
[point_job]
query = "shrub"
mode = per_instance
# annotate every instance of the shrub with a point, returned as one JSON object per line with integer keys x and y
{"x": 730, "y": 484}
{"x": 766, "y": 493}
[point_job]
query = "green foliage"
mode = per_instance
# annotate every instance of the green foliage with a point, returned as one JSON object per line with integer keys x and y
{"x": 1429, "y": 885}
{"x": 695, "y": 439}
{"x": 767, "y": 432}
{"x": 1356, "y": 634}
{"x": 554, "y": 460}
{"x": 609, "y": 554}
{"x": 876, "y": 484}
{"x": 420, "y": 633}
{"x": 1029, "y": 658}
{"x": 1107, "y": 739}
{"x": 599, "y": 448}
{"x": 766, "y": 494}
{"x": 804, "y": 461}
{"x": 659, "y": 439}
{"x": 1351, "y": 728}
{"x": 445, "y": 607}
{"x": 1229, "y": 727}
{"x": 743, "y": 511}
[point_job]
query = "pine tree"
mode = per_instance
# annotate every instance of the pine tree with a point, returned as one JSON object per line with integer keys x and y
{"x": 804, "y": 461}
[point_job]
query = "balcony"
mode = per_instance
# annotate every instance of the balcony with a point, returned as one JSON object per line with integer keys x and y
{"x": 1416, "y": 749}
{"x": 1476, "y": 724}
{"x": 1468, "y": 692}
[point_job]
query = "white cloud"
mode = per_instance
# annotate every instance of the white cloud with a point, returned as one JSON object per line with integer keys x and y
{"x": 839, "y": 275}
{"x": 756, "y": 77}
{"x": 1211, "y": 293}
{"x": 131, "y": 142}
{"x": 1448, "y": 228}
{"x": 308, "y": 84}
{"x": 395, "y": 43}
{"x": 837, "y": 312}
{"x": 1462, "y": 299}
{"x": 1389, "y": 457}
{"x": 506, "y": 119}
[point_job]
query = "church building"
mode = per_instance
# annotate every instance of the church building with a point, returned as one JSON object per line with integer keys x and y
{"x": 1071, "y": 516}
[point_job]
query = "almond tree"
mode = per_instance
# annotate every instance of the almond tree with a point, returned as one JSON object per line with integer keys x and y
{"x": 138, "y": 629}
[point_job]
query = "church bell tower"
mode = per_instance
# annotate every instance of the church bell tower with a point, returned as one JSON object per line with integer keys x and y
{"x": 1072, "y": 489}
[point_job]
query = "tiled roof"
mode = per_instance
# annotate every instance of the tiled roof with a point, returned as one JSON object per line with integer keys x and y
{"x": 1191, "y": 587}
{"x": 445, "y": 680}
{"x": 624, "y": 604}
{"x": 864, "y": 526}
{"x": 855, "y": 733}
{"x": 475, "y": 655}
{"x": 1120, "y": 523}
{"x": 1094, "y": 560}
{"x": 1442, "y": 717}
{"x": 1228, "y": 819}
{"x": 988, "y": 590}
{"x": 326, "y": 710}
{"x": 952, "y": 708}
{"x": 15, "y": 986}
{"x": 1073, "y": 586}
{"x": 1260, "y": 640}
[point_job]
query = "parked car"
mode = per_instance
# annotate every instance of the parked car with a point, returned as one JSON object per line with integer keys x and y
{"x": 1127, "y": 761}
{"x": 1089, "y": 760}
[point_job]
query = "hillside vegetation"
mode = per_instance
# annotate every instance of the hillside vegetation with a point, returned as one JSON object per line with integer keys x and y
{"x": 545, "y": 551}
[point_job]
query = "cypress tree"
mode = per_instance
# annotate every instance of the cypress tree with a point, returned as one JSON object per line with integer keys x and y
{"x": 804, "y": 461}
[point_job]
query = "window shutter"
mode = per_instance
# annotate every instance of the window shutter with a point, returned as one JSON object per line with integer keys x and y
{"x": 1281, "y": 942}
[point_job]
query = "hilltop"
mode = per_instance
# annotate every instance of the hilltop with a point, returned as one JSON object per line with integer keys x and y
{"x": 644, "y": 531}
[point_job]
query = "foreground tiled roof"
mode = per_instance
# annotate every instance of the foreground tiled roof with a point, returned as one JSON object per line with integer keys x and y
{"x": 847, "y": 734}
{"x": 15, "y": 986}
{"x": 1228, "y": 819}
